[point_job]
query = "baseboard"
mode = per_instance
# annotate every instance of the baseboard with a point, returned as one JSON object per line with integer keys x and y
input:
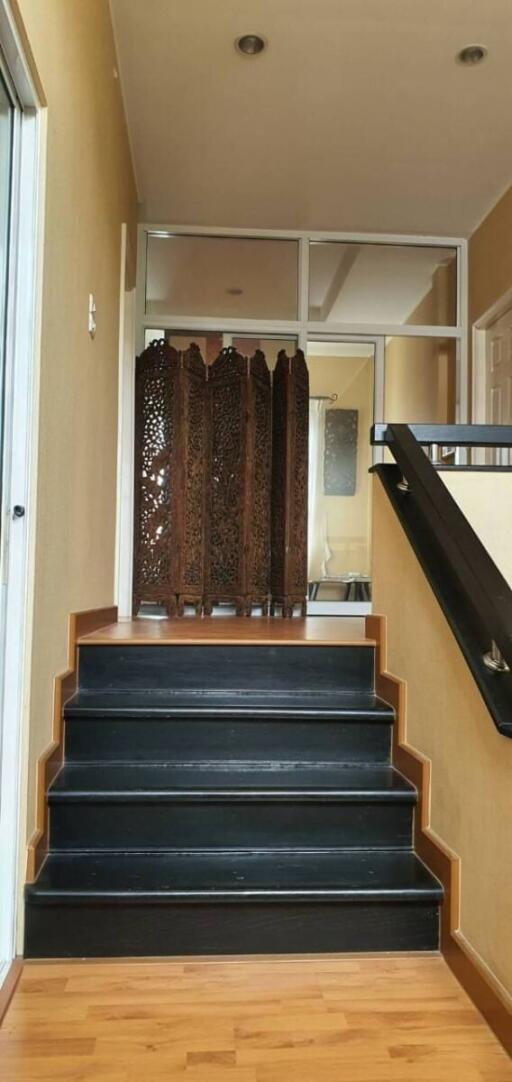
{"x": 9, "y": 986}
{"x": 437, "y": 856}
{"x": 49, "y": 763}
{"x": 480, "y": 987}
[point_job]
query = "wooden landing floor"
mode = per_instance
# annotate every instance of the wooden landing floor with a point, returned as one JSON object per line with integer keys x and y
{"x": 233, "y": 630}
{"x": 327, "y": 1019}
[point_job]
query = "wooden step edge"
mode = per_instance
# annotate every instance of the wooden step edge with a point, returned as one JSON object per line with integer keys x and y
{"x": 229, "y": 631}
{"x": 49, "y": 762}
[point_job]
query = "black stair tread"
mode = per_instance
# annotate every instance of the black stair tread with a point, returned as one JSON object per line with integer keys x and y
{"x": 235, "y": 780}
{"x": 338, "y": 875}
{"x": 203, "y": 703}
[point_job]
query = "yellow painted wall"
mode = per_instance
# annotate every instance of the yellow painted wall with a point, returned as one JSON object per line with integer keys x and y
{"x": 448, "y": 722}
{"x": 490, "y": 258}
{"x": 420, "y": 372}
{"x": 348, "y": 517}
{"x": 486, "y": 500}
{"x": 89, "y": 192}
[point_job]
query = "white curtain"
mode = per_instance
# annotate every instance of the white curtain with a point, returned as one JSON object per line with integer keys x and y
{"x": 319, "y": 552}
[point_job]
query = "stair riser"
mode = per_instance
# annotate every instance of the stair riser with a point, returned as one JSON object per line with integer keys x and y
{"x": 103, "y": 930}
{"x": 149, "y": 739}
{"x": 224, "y": 825}
{"x": 224, "y": 668}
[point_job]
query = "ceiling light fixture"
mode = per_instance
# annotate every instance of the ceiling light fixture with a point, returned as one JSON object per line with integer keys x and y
{"x": 250, "y": 44}
{"x": 471, "y": 55}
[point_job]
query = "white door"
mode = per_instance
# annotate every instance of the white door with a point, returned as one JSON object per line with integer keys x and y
{"x": 21, "y": 204}
{"x": 498, "y": 363}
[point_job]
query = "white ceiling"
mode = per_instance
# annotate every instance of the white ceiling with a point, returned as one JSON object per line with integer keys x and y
{"x": 355, "y": 118}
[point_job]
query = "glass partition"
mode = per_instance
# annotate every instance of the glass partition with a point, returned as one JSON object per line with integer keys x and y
{"x": 382, "y": 283}
{"x": 271, "y": 347}
{"x": 211, "y": 342}
{"x": 6, "y": 152}
{"x": 420, "y": 376}
{"x": 227, "y": 277}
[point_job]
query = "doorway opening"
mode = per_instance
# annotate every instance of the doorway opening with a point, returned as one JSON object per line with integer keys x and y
{"x": 345, "y": 381}
{"x": 492, "y": 377}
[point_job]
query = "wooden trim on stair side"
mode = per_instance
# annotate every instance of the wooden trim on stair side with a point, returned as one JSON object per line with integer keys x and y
{"x": 9, "y": 986}
{"x": 436, "y": 855}
{"x": 49, "y": 763}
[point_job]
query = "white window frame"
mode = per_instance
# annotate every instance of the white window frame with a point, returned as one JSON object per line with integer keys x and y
{"x": 301, "y": 328}
{"x": 21, "y": 424}
{"x": 125, "y": 438}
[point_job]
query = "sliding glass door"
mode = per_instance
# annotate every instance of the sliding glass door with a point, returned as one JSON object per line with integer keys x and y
{"x": 7, "y": 119}
{"x": 6, "y": 159}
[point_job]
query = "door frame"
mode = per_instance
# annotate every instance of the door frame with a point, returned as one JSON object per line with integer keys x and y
{"x": 125, "y": 438}
{"x": 479, "y": 456}
{"x": 378, "y": 341}
{"x": 479, "y": 344}
{"x": 21, "y": 401}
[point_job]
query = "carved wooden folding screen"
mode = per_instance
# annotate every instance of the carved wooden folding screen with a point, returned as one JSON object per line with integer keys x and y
{"x": 290, "y": 427}
{"x": 170, "y": 457}
{"x": 238, "y": 491}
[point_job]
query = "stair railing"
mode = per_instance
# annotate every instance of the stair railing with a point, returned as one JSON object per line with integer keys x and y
{"x": 475, "y": 597}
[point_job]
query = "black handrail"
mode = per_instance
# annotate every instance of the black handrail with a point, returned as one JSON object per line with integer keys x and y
{"x": 449, "y": 435}
{"x": 473, "y": 593}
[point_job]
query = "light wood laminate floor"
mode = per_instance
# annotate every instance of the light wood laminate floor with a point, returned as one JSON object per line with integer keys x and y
{"x": 234, "y": 629}
{"x": 324, "y": 1019}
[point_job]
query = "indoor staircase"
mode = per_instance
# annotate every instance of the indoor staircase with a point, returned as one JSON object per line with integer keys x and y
{"x": 229, "y": 799}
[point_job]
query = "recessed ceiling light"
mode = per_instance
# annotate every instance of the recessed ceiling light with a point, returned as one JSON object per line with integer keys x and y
{"x": 250, "y": 44}
{"x": 234, "y": 291}
{"x": 472, "y": 54}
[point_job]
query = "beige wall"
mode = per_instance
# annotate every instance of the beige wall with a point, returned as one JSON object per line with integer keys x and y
{"x": 347, "y": 517}
{"x": 490, "y": 258}
{"x": 420, "y": 372}
{"x": 486, "y": 500}
{"x": 89, "y": 193}
{"x": 448, "y": 722}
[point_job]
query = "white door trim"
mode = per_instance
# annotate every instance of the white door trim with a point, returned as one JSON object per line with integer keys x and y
{"x": 378, "y": 341}
{"x": 479, "y": 331}
{"x": 20, "y": 471}
{"x": 125, "y": 441}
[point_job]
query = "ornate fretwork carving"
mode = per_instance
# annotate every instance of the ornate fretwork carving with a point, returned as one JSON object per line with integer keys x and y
{"x": 290, "y": 428}
{"x": 226, "y": 489}
{"x": 170, "y": 452}
{"x": 238, "y": 545}
{"x": 259, "y": 511}
{"x": 205, "y": 522}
